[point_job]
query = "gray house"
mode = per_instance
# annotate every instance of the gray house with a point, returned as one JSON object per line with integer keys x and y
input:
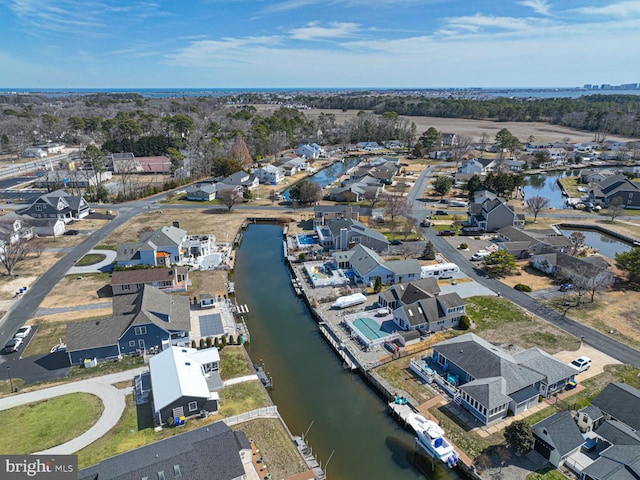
{"x": 492, "y": 214}
{"x": 617, "y": 186}
{"x": 342, "y": 234}
{"x": 150, "y": 319}
{"x": 557, "y": 437}
{"x": 184, "y": 382}
{"x": 212, "y": 452}
{"x": 167, "y": 279}
{"x": 201, "y": 192}
{"x": 58, "y": 204}
{"x": 432, "y": 314}
{"x": 492, "y": 383}
{"x": 367, "y": 265}
{"x": 407, "y": 293}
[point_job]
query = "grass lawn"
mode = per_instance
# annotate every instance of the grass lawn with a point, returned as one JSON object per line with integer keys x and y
{"x": 90, "y": 259}
{"x": 47, "y": 335}
{"x": 399, "y": 376}
{"x": 42, "y": 425}
{"x": 548, "y": 474}
{"x": 571, "y": 184}
{"x": 502, "y": 322}
{"x": 234, "y": 363}
{"x": 243, "y": 397}
{"x": 279, "y": 452}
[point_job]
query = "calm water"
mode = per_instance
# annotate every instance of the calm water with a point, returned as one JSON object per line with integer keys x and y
{"x": 606, "y": 245}
{"x": 547, "y": 186}
{"x": 310, "y": 384}
{"x": 329, "y": 175}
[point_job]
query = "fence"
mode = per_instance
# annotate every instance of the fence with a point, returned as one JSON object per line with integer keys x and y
{"x": 266, "y": 412}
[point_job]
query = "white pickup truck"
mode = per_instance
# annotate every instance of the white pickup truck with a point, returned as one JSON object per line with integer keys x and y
{"x": 480, "y": 254}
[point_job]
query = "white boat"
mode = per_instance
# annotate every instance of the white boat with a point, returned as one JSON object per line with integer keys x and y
{"x": 349, "y": 300}
{"x": 430, "y": 436}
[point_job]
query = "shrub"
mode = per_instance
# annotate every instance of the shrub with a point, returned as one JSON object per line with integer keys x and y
{"x": 202, "y": 343}
{"x": 465, "y": 322}
{"x": 463, "y": 246}
{"x": 209, "y": 342}
{"x": 522, "y": 288}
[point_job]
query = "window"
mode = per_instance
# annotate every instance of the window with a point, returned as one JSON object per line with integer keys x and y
{"x": 176, "y": 471}
{"x": 132, "y": 343}
{"x": 140, "y": 330}
{"x": 193, "y": 406}
{"x": 161, "y": 475}
{"x": 126, "y": 287}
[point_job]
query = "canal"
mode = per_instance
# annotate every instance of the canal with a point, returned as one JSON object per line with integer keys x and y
{"x": 329, "y": 175}
{"x": 310, "y": 386}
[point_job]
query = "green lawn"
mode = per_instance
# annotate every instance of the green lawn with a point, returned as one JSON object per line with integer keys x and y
{"x": 548, "y": 474}
{"x": 243, "y": 397}
{"x": 42, "y": 425}
{"x": 234, "y": 363}
{"x": 90, "y": 259}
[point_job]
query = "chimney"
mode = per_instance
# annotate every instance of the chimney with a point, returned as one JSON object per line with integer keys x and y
{"x": 343, "y": 239}
{"x": 176, "y": 223}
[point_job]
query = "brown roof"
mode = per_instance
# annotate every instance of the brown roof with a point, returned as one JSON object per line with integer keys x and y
{"x": 144, "y": 275}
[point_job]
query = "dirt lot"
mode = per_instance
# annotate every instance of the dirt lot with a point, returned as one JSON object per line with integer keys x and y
{"x": 196, "y": 221}
{"x": 27, "y": 272}
{"x": 79, "y": 290}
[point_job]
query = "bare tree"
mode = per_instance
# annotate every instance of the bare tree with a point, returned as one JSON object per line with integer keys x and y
{"x": 409, "y": 225}
{"x": 12, "y": 252}
{"x": 577, "y": 240}
{"x": 615, "y": 209}
{"x": 536, "y": 204}
{"x": 229, "y": 197}
{"x": 407, "y": 250}
{"x": 372, "y": 196}
{"x": 395, "y": 206}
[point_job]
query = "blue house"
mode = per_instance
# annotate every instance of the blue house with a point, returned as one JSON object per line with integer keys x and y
{"x": 150, "y": 319}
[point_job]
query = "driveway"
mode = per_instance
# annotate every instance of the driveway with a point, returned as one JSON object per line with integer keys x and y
{"x": 104, "y": 266}
{"x": 113, "y": 400}
{"x": 598, "y": 360}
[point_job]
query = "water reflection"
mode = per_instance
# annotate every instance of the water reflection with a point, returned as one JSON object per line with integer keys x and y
{"x": 605, "y": 244}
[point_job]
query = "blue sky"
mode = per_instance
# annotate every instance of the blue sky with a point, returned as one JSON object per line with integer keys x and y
{"x": 317, "y": 43}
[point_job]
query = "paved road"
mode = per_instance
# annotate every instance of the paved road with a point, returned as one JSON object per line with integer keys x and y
{"x": 600, "y": 341}
{"x": 113, "y": 400}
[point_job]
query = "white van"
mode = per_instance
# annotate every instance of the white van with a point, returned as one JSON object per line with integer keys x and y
{"x": 479, "y": 255}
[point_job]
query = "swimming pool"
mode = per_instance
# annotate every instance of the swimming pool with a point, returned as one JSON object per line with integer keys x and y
{"x": 307, "y": 239}
{"x": 369, "y": 328}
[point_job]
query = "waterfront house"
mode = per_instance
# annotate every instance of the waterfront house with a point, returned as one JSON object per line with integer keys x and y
{"x": 269, "y": 174}
{"x": 309, "y": 150}
{"x": 617, "y": 186}
{"x": 58, "y": 204}
{"x": 167, "y": 279}
{"x": 431, "y": 314}
{"x": 472, "y": 166}
{"x": 621, "y": 402}
{"x": 149, "y": 319}
{"x": 342, "y": 234}
{"x": 407, "y": 293}
{"x": 184, "y": 382}
{"x": 492, "y": 382}
{"x": 247, "y": 181}
{"x": 368, "y": 146}
{"x": 492, "y": 214}
{"x": 322, "y": 214}
{"x": 583, "y": 271}
{"x": 163, "y": 247}
{"x": 367, "y": 265}
{"x": 356, "y": 190}
{"x": 589, "y": 175}
{"x": 201, "y": 192}
{"x": 557, "y": 437}
{"x": 211, "y": 452}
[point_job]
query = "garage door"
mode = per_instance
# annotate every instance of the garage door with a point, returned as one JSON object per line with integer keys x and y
{"x": 542, "y": 448}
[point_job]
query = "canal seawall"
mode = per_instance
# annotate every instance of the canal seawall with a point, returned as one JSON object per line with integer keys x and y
{"x": 580, "y": 226}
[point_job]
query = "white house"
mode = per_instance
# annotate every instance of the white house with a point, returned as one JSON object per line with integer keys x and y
{"x": 309, "y": 150}
{"x": 270, "y": 174}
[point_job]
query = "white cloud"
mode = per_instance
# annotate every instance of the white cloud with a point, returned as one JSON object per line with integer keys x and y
{"x": 539, "y": 6}
{"x": 297, "y": 4}
{"x": 313, "y": 31}
{"x": 619, "y": 9}
{"x": 489, "y": 24}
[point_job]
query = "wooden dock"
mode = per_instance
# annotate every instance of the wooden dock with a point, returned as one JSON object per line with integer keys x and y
{"x": 340, "y": 348}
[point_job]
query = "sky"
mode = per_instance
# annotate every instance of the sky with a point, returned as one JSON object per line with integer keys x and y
{"x": 318, "y": 43}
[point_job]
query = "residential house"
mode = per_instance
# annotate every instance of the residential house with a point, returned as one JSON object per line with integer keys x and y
{"x": 392, "y": 144}
{"x": 58, "y": 204}
{"x": 212, "y": 452}
{"x": 33, "y": 152}
{"x": 201, "y": 245}
{"x": 431, "y": 314}
{"x": 557, "y": 437}
{"x": 270, "y": 174}
{"x": 492, "y": 382}
{"x": 201, "y": 192}
{"x": 621, "y": 402}
{"x": 382, "y": 170}
{"x": 619, "y": 462}
{"x": 402, "y": 294}
{"x": 523, "y": 244}
{"x": 184, "y": 382}
{"x": 155, "y": 164}
{"x": 149, "y": 319}
{"x": 364, "y": 188}
{"x": 589, "y": 175}
{"x": 448, "y": 139}
{"x": 493, "y": 214}
{"x": 587, "y": 271}
{"x": 167, "y": 279}
{"x": 309, "y": 150}
{"x": 45, "y": 227}
{"x": 367, "y": 265}
{"x": 322, "y": 214}
{"x": 587, "y": 146}
{"x": 634, "y": 170}
{"x": 617, "y": 186}
{"x": 13, "y": 229}
{"x": 472, "y": 166}
{"x": 368, "y": 146}
{"x": 248, "y": 181}
{"x": 163, "y": 247}
{"x": 342, "y": 234}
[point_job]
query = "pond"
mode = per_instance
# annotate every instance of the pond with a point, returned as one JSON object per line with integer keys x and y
{"x": 605, "y": 244}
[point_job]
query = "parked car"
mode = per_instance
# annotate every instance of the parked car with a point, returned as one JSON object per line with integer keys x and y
{"x": 565, "y": 287}
{"x": 395, "y": 242}
{"x": 446, "y": 233}
{"x": 440, "y": 212}
{"x": 581, "y": 364}
{"x": 479, "y": 255}
{"x": 12, "y": 345}
{"x": 23, "y": 332}
{"x": 72, "y": 232}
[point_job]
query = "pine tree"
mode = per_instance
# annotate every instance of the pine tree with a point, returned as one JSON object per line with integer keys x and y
{"x": 429, "y": 252}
